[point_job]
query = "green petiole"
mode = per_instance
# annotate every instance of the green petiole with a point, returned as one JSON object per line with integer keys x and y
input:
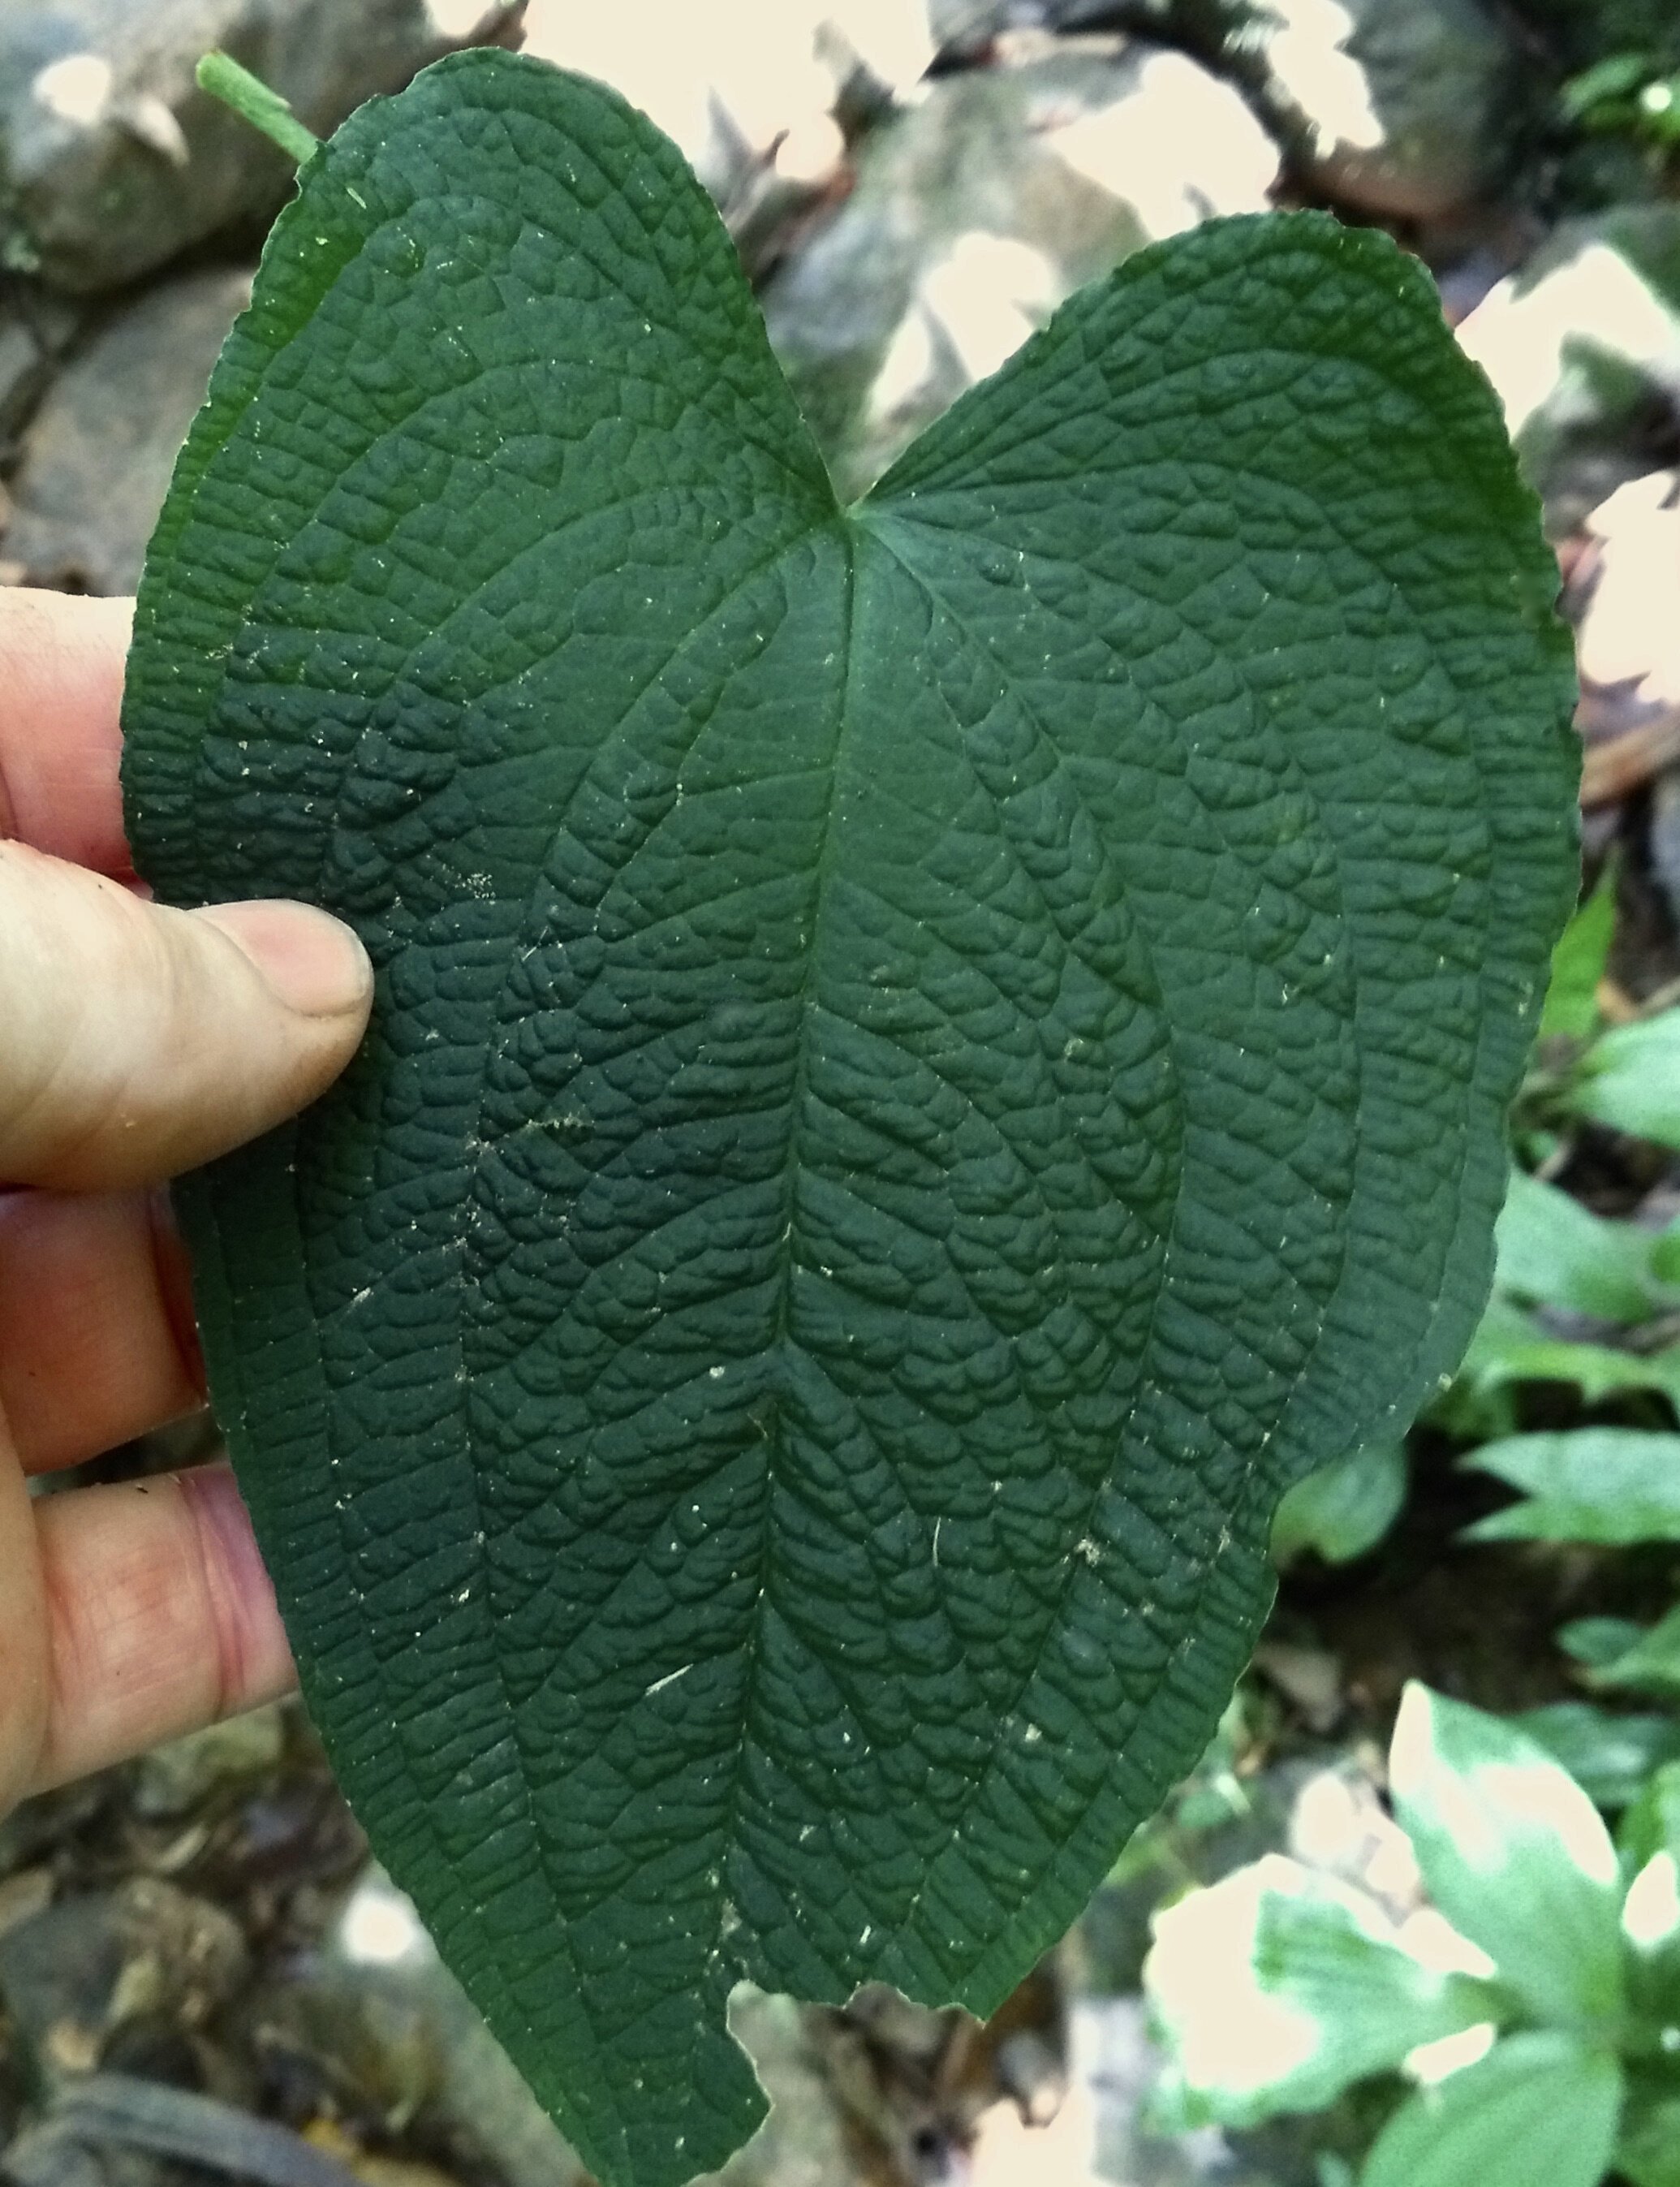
{"x": 223, "y": 78}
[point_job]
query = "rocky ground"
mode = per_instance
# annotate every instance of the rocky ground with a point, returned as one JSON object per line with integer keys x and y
{"x": 200, "y": 1977}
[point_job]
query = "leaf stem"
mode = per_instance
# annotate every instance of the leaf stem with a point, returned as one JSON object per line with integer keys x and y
{"x": 222, "y": 76}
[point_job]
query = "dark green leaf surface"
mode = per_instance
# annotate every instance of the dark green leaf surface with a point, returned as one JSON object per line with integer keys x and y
{"x": 929, "y": 1059}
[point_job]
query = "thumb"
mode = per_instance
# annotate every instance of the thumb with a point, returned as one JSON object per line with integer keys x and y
{"x": 140, "y": 1041}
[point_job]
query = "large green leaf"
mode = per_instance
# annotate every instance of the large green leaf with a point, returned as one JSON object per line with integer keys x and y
{"x": 1538, "y": 2107}
{"x": 929, "y": 1059}
{"x": 1648, "y": 1841}
{"x": 1648, "y": 2153}
{"x": 1652, "y": 1823}
{"x": 1277, "y": 1988}
{"x": 1514, "y": 1853}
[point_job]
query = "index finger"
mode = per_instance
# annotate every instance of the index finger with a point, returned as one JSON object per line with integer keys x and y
{"x": 61, "y": 665}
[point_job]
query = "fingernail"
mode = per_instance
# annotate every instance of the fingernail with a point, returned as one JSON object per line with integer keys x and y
{"x": 313, "y": 962}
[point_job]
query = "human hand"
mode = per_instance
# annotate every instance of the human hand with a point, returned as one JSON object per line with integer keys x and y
{"x": 135, "y": 1042}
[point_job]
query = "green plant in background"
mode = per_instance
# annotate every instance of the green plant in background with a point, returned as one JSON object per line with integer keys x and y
{"x": 1617, "y": 1652}
{"x": 1629, "y": 94}
{"x": 1606, "y": 1485}
{"x": 1626, "y": 1076}
{"x": 1613, "y": 1487}
{"x": 1217, "y": 1793}
{"x": 931, "y": 1057}
{"x": 1343, "y": 1511}
{"x": 1553, "y": 1253}
{"x": 1629, "y": 1078}
{"x": 1611, "y": 1753}
{"x": 1540, "y": 2025}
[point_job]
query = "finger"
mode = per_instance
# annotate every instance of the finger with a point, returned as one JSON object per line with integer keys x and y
{"x": 140, "y": 1041}
{"x": 61, "y": 665}
{"x": 97, "y": 1342}
{"x": 25, "y": 1692}
{"x": 160, "y": 1618}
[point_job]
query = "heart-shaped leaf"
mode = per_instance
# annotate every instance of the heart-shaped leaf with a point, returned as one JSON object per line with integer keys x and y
{"x": 929, "y": 1059}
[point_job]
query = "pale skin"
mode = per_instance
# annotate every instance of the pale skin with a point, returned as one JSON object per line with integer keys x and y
{"x": 135, "y": 1042}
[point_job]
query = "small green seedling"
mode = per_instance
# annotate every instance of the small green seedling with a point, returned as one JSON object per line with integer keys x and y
{"x": 1617, "y": 1653}
{"x": 1627, "y": 94}
{"x": 1613, "y": 1486}
{"x": 1625, "y": 1076}
{"x": 1344, "y": 1509}
{"x": 931, "y": 1057}
{"x": 1539, "y": 2020}
{"x": 1556, "y": 1256}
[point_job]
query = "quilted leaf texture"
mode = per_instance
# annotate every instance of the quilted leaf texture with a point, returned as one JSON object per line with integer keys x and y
{"x": 930, "y": 1058}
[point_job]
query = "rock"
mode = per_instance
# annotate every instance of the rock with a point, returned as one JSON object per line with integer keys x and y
{"x": 1627, "y": 634}
{"x": 77, "y": 1972}
{"x": 801, "y": 2144}
{"x": 1583, "y": 345}
{"x": 1664, "y": 837}
{"x": 36, "y": 1830}
{"x": 1624, "y": 576}
{"x": 115, "y": 160}
{"x": 1116, "y": 2068}
{"x": 1582, "y": 32}
{"x": 20, "y": 376}
{"x": 1400, "y": 108}
{"x": 919, "y": 2091}
{"x": 744, "y": 89}
{"x": 373, "y": 2030}
{"x": 98, "y": 2126}
{"x": 35, "y": 330}
{"x": 50, "y": 2156}
{"x": 1198, "y": 26}
{"x": 393, "y": 2171}
{"x": 174, "y": 1779}
{"x": 1309, "y": 1677}
{"x": 97, "y": 456}
{"x": 978, "y": 212}
{"x": 23, "y": 1896}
